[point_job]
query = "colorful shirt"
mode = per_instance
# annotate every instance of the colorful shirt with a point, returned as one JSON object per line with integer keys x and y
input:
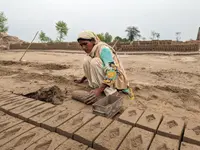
{"x": 109, "y": 66}
{"x": 111, "y": 70}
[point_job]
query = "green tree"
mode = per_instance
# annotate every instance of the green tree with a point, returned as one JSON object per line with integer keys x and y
{"x": 132, "y": 33}
{"x": 44, "y": 38}
{"x": 158, "y": 36}
{"x": 155, "y": 35}
{"x": 101, "y": 37}
{"x": 62, "y": 30}
{"x": 3, "y": 22}
{"x": 118, "y": 38}
{"x": 178, "y": 36}
{"x": 107, "y": 37}
{"x": 143, "y": 38}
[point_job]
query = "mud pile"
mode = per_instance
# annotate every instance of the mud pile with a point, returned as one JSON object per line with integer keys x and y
{"x": 6, "y": 40}
{"x": 52, "y": 95}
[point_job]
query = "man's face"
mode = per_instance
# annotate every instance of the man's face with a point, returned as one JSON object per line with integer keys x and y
{"x": 86, "y": 45}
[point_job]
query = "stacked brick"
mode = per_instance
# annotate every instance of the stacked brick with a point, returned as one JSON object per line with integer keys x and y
{"x": 155, "y": 45}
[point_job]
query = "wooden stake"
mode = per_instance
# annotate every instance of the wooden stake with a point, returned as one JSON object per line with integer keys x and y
{"x": 29, "y": 46}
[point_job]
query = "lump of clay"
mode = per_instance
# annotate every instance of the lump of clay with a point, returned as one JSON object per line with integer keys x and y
{"x": 52, "y": 94}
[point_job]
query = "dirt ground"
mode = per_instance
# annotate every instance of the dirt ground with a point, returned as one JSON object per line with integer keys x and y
{"x": 165, "y": 84}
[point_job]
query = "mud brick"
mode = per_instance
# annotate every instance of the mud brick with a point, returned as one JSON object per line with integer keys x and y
{"x": 49, "y": 142}
{"x": 13, "y": 132}
{"x": 71, "y": 144}
{"x": 9, "y": 100}
{"x": 5, "y": 117}
{"x": 71, "y": 126}
{"x": 38, "y": 119}
{"x": 192, "y": 133}
{"x": 149, "y": 121}
{"x": 25, "y": 140}
{"x": 187, "y": 146}
{"x": 15, "y": 112}
{"x": 2, "y": 113}
{"x": 89, "y": 132}
{"x": 161, "y": 142}
{"x": 131, "y": 116}
{"x": 7, "y": 95}
{"x": 72, "y": 104}
{"x": 171, "y": 127}
{"x": 87, "y": 109}
{"x": 137, "y": 139}
{"x": 59, "y": 119}
{"x": 9, "y": 123}
{"x": 15, "y": 104}
{"x": 34, "y": 111}
{"x": 111, "y": 138}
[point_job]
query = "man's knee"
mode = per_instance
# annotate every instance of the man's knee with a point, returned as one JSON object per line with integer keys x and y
{"x": 96, "y": 62}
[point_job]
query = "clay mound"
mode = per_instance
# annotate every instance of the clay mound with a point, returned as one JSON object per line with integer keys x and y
{"x": 6, "y": 40}
{"x": 52, "y": 95}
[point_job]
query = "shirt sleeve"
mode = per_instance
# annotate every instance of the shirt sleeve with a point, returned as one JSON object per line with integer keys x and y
{"x": 109, "y": 66}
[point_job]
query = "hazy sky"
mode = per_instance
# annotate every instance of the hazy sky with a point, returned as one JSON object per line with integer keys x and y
{"x": 25, "y": 17}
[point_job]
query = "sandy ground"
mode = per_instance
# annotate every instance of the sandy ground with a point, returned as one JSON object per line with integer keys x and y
{"x": 165, "y": 84}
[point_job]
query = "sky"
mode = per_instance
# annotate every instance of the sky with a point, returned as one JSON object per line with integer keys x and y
{"x": 26, "y": 17}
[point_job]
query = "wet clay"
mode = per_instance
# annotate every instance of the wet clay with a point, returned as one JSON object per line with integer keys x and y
{"x": 164, "y": 143}
{"x": 13, "y": 132}
{"x": 171, "y": 127}
{"x": 49, "y": 142}
{"x": 34, "y": 111}
{"x": 58, "y": 119}
{"x": 130, "y": 116}
{"x": 112, "y": 136}
{"x": 49, "y": 113}
{"x": 16, "y": 111}
{"x": 52, "y": 94}
{"x": 25, "y": 140}
{"x": 149, "y": 121}
{"x": 89, "y": 132}
{"x": 192, "y": 133}
{"x": 72, "y": 145}
{"x": 9, "y": 123}
{"x": 137, "y": 139}
{"x": 71, "y": 126}
{"x": 187, "y": 146}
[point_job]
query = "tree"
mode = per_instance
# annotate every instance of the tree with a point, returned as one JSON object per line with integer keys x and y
{"x": 3, "y": 22}
{"x": 132, "y": 33}
{"x": 143, "y": 38}
{"x": 101, "y": 37}
{"x": 158, "y": 36}
{"x": 120, "y": 39}
{"x": 107, "y": 37}
{"x": 155, "y": 35}
{"x": 44, "y": 38}
{"x": 178, "y": 36}
{"x": 62, "y": 30}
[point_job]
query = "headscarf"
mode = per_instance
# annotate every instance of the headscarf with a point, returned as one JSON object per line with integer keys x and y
{"x": 88, "y": 35}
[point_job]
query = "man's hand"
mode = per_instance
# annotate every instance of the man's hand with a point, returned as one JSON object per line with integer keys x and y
{"x": 97, "y": 92}
{"x": 80, "y": 81}
{"x": 94, "y": 94}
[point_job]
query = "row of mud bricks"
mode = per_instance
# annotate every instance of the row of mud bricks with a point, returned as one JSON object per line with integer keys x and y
{"x": 176, "y": 48}
{"x": 31, "y": 124}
